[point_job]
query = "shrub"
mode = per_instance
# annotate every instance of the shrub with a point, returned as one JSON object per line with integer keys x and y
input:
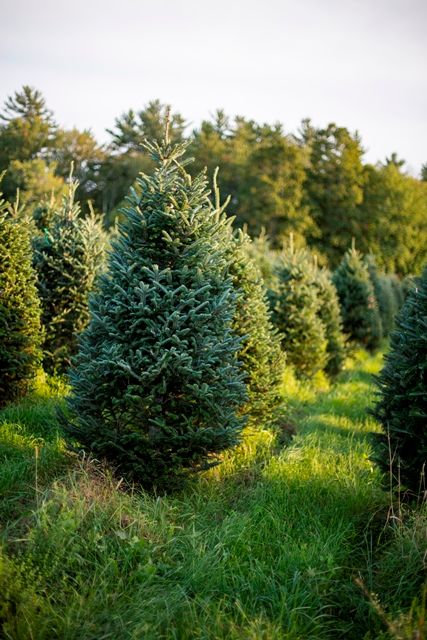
{"x": 359, "y": 307}
{"x": 20, "y": 335}
{"x": 402, "y": 384}
{"x": 156, "y": 385}
{"x": 68, "y": 257}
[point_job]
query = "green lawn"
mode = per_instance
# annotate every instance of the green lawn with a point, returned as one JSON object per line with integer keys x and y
{"x": 267, "y": 545}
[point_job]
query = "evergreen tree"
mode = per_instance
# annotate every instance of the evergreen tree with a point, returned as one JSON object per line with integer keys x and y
{"x": 396, "y": 202}
{"x": 260, "y": 352}
{"x": 27, "y": 133}
{"x": 328, "y": 304}
{"x": 402, "y": 405}
{"x": 156, "y": 385}
{"x": 295, "y": 307}
{"x": 400, "y": 289}
{"x": 259, "y": 250}
{"x": 333, "y": 187}
{"x": 263, "y": 169}
{"x": 20, "y": 334}
{"x": 384, "y": 293}
{"x": 359, "y": 307}
{"x": 68, "y": 257}
{"x": 330, "y": 316}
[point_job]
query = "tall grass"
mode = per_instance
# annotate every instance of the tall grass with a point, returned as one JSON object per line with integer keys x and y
{"x": 267, "y": 545}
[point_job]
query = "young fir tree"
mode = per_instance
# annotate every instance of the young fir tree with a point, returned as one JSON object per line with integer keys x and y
{"x": 260, "y": 352}
{"x": 359, "y": 307}
{"x": 400, "y": 288}
{"x": 156, "y": 386}
{"x": 295, "y": 308}
{"x": 384, "y": 294}
{"x": 20, "y": 334}
{"x": 68, "y": 257}
{"x": 402, "y": 405}
{"x": 259, "y": 251}
{"x": 330, "y": 316}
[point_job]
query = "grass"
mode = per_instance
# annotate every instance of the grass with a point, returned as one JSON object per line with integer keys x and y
{"x": 278, "y": 542}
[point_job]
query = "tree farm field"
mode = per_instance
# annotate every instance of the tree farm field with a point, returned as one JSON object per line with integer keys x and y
{"x": 286, "y": 538}
{"x": 213, "y": 320}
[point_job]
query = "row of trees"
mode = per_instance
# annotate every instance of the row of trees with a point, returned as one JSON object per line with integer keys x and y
{"x": 314, "y": 184}
{"x": 182, "y": 344}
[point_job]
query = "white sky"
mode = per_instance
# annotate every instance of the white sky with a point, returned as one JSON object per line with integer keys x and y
{"x": 359, "y": 63}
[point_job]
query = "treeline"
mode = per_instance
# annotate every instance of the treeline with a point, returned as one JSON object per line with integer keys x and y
{"x": 314, "y": 184}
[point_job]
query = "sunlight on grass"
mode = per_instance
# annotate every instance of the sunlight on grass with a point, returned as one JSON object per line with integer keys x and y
{"x": 260, "y": 546}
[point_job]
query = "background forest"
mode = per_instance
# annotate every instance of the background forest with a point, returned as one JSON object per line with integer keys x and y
{"x": 313, "y": 183}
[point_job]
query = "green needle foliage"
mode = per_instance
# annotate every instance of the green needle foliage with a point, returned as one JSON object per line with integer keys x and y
{"x": 156, "y": 386}
{"x": 330, "y": 316}
{"x": 68, "y": 258}
{"x": 20, "y": 334}
{"x": 359, "y": 307}
{"x": 384, "y": 293}
{"x": 260, "y": 353}
{"x": 295, "y": 307}
{"x": 400, "y": 288}
{"x": 402, "y": 407}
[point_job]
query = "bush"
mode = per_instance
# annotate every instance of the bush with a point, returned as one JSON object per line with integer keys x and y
{"x": 20, "y": 335}
{"x": 68, "y": 257}
{"x": 295, "y": 307}
{"x": 157, "y": 386}
{"x": 359, "y": 307}
{"x": 402, "y": 384}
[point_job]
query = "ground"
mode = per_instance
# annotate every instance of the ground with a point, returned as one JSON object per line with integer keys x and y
{"x": 292, "y": 537}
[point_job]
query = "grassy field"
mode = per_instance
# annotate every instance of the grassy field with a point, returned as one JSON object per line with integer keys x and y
{"x": 283, "y": 540}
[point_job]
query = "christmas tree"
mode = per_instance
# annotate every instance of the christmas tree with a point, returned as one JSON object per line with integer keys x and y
{"x": 359, "y": 307}
{"x": 20, "y": 334}
{"x": 295, "y": 307}
{"x": 157, "y": 386}
{"x": 402, "y": 384}
{"x": 330, "y": 316}
{"x": 68, "y": 257}
{"x": 384, "y": 293}
{"x": 260, "y": 352}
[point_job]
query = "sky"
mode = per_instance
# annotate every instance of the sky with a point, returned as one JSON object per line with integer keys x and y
{"x": 359, "y": 63}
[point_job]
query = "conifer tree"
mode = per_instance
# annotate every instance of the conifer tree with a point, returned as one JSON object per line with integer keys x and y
{"x": 330, "y": 316}
{"x": 400, "y": 289}
{"x": 68, "y": 257}
{"x": 359, "y": 307}
{"x": 295, "y": 307}
{"x": 156, "y": 386}
{"x": 260, "y": 352}
{"x": 384, "y": 293}
{"x": 20, "y": 334}
{"x": 402, "y": 384}
{"x": 259, "y": 250}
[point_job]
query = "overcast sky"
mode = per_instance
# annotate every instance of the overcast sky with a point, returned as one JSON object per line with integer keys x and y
{"x": 359, "y": 63}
